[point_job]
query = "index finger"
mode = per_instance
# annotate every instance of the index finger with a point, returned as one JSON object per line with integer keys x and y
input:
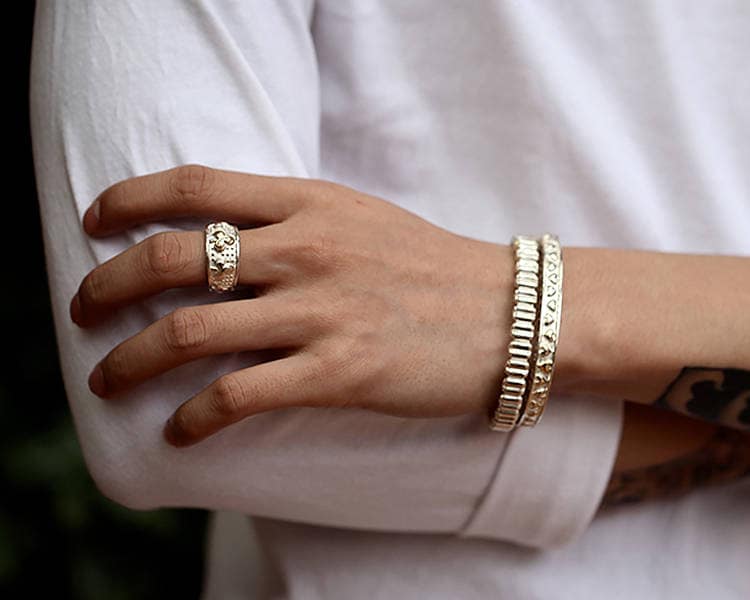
{"x": 197, "y": 191}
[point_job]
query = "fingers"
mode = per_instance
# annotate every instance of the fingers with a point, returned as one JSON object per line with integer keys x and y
{"x": 160, "y": 262}
{"x": 194, "y": 332}
{"x": 198, "y": 191}
{"x": 291, "y": 381}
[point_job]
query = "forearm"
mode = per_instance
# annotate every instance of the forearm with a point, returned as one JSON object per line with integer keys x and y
{"x": 658, "y": 328}
{"x": 665, "y": 454}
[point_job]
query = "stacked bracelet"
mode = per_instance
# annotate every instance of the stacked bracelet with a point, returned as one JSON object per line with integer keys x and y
{"x": 537, "y": 306}
{"x": 525, "y": 302}
{"x": 550, "y": 312}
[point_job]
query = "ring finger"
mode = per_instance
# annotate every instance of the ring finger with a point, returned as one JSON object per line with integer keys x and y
{"x": 163, "y": 261}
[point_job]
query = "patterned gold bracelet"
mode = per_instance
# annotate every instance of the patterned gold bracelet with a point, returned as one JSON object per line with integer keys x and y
{"x": 537, "y": 307}
{"x": 520, "y": 348}
{"x": 550, "y": 313}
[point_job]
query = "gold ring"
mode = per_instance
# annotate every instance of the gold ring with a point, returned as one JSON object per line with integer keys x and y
{"x": 222, "y": 256}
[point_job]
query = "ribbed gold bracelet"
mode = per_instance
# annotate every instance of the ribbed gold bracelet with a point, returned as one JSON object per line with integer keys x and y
{"x": 537, "y": 308}
{"x": 520, "y": 348}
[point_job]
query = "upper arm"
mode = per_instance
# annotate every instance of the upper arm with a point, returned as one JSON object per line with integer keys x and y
{"x": 126, "y": 88}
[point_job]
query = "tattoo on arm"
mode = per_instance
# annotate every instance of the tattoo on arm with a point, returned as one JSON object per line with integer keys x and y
{"x": 721, "y": 396}
{"x": 724, "y": 458}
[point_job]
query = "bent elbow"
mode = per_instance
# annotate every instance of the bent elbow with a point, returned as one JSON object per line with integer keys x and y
{"x": 121, "y": 476}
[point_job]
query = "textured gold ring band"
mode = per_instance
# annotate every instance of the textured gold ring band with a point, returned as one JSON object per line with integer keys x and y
{"x": 222, "y": 256}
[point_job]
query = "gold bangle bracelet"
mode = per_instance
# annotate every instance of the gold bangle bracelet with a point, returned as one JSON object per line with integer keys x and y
{"x": 535, "y": 329}
{"x": 518, "y": 366}
{"x": 550, "y": 312}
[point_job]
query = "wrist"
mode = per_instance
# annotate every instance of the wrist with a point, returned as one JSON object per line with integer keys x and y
{"x": 582, "y": 358}
{"x": 589, "y": 357}
{"x": 615, "y": 335}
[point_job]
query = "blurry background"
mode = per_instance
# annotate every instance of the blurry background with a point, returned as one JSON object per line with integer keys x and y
{"x": 58, "y": 535}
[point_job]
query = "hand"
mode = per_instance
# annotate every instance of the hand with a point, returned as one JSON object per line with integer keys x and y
{"x": 367, "y": 304}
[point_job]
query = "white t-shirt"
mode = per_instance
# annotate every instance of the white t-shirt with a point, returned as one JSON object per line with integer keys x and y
{"x": 608, "y": 123}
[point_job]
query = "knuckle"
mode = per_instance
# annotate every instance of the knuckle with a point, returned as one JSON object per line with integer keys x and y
{"x": 113, "y": 201}
{"x": 322, "y": 190}
{"x": 186, "y": 329}
{"x": 192, "y": 183}
{"x": 115, "y": 369}
{"x": 164, "y": 253}
{"x": 93, "y": 289}
{"x": 356, "y": 356}
{"x": 332, "y": 195}
{"x": 334, "y": 366}
{"x": 336, "y": 360}
{"x": 227, "y": 397}
{"x": 306, "y": 252}
{"x": 318, "y": 316}
{"x": 184, "y": 423}
{"x": 319, "y": 251}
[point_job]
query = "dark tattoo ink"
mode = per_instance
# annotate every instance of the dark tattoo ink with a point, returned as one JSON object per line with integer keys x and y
{"x": 724, "y": 458}
{"x": 717, "y": 395}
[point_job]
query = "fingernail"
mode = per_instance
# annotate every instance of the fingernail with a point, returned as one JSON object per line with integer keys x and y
{"x": 96, "y": 381}
{"x": 91, "y": 218}
{"x": 172, "y": 434}
{"x": 75, "y": 310}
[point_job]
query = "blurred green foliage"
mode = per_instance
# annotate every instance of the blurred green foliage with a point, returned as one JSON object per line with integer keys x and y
{"x": 59, "y": 537}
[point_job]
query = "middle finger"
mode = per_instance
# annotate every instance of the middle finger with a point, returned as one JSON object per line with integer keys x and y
{"x": 188, "y": 333}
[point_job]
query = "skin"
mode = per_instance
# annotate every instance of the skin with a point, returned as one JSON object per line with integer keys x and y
{"x": 366, "y": 304}
{"x": 405, "y": 345}
{"x": 665, "y": 455}
{"x": 658, "y": 328}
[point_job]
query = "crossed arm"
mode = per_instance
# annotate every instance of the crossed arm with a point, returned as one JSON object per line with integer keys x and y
{"x": 662, "y": 329}
{"x": 355, "y": 344}
{"x": 679, "y": 343}
{"x": 295, "y": 463}
{"x": 660, "y": 317}
{"x": 664, "y": 454}
{"x": 363, "y": 287}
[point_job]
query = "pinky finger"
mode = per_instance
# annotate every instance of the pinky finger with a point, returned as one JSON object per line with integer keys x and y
{"x": 294, "y": 380}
